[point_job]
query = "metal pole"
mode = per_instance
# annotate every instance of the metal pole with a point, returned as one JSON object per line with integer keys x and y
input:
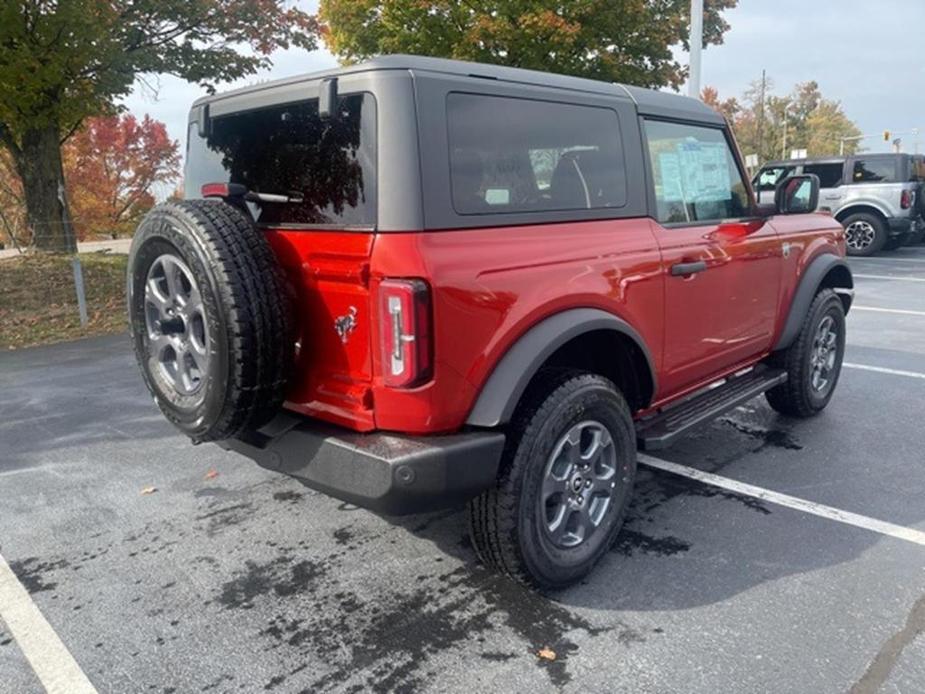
{"x": 783, "y": 147}
{"x": 79, "y": 285}
{"x": 71, "y": 243}
{"x": 764, "y": 81}
{"x": 696, "y": 41}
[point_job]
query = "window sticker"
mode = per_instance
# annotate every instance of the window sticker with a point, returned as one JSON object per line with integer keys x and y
{"x": 705, "y": 171}
{"x": 669, "y": 165}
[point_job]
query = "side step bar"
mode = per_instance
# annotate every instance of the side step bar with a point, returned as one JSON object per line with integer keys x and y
{"x": 660, "y": 430}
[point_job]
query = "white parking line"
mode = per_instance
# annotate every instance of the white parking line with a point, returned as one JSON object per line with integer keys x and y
{"x": 52, "y": 662}
{"x": 888, "y": 277}
{"x": 872, "y": 524}
{"x": 898, "y": 311}
{"x": 891, "y": 260}
{"x": 884, "y": 370}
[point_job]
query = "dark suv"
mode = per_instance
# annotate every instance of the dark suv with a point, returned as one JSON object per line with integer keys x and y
{"x": 416, "y": 283}
{"x": 877, "y": 197}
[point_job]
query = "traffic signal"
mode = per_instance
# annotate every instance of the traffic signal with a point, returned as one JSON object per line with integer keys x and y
{"x": 886, "y": 135}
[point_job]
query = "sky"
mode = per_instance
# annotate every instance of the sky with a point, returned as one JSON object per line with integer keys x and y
{"x": 867, "y": 55}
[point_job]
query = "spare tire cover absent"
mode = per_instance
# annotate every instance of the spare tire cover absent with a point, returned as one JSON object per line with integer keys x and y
{"x": 210, "y": 317}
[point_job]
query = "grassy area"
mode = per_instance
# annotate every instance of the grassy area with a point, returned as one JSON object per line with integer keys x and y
{"x": 38, "y": 302}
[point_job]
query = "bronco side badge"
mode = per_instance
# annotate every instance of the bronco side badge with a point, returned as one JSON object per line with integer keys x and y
{"x": 344, "y": 325}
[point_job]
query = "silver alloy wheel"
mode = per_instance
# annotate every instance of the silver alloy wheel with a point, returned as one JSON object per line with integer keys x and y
{"x": 825, "y": 351}
{"x": 177, "y": 336}
{"x": 859, "y": 235}
{"x": 579, "y": 484}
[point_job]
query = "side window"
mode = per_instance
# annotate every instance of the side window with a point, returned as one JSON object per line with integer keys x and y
{"x": 517, "y": 155}
{"x": 769, "y": 178}
{"x": 874, "y": 171}
{"x": 696, "y": 176}
{"x": 830, "y": 175}
{"x": 918, "y": 169}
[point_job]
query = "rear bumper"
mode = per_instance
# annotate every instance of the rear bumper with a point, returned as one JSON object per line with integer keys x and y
{"x": 899, "y": 225}
{"x": 387, "y": 473}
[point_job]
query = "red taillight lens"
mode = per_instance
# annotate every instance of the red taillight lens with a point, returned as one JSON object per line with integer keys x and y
{"x": 405, "y": 317}
{"x": 905, "y": 201}
{"x": 222, "y": 190}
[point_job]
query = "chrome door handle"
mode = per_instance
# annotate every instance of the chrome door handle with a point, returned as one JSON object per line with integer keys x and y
{"x": 683, "y": 269}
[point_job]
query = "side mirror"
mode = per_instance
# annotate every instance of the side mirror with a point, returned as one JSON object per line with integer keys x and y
{"x": 797, "y": 194}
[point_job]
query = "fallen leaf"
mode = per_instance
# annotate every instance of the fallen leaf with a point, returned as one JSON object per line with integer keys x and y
{"x": 212, "y": 474}
{"x": 546, "y": 654}
{"x": 149, "y": 490}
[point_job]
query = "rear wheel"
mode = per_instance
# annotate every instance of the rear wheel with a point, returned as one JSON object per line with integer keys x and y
{"x": 813, "y": 362}
{"x": 566, "y": 478}
{"x": 865, "y": 234}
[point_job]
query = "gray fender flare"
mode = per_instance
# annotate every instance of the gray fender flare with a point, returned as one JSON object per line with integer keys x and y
{"x": 501, "y": 392}
{"x": 852, "y": 208}
{"x": 807, "y": 290}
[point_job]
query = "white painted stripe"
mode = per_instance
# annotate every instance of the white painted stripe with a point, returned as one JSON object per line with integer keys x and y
{"x": 52, "y": 662}
{"x": 889, "y": 260}
{"x": 888, "y": 277}
{"x": 898, "y": 311}
{"x": 884, "y": 370}
{"x": 878, "y": 526}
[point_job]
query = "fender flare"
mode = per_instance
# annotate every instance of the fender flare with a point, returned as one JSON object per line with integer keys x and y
{"x": 851, "y": 208}
{"x": 502, "y": 391}
{"x": 809, "y": 285}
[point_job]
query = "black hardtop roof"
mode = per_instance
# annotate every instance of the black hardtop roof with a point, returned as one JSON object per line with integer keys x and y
{"x": 646, "y": 100}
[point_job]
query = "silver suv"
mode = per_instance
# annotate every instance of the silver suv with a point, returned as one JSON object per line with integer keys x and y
{"x": 874, "y": 196}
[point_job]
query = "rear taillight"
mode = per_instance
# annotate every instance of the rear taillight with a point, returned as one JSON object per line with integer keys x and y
{"x": 906, "y": 199}
{"x": 405, "y": 317}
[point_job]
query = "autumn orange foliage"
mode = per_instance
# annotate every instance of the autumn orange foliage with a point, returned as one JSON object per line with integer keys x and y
{"x": 115, "y": 167}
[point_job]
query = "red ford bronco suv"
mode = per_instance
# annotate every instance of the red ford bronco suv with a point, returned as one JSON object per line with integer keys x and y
{"x": 414, "y": 283}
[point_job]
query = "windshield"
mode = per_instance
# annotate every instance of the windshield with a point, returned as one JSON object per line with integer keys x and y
{"x": 326, "y": 167}
{"x": 768, "y": 178}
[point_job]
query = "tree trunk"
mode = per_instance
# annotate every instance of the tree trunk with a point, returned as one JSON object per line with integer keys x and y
{"x": 38, "y": 164}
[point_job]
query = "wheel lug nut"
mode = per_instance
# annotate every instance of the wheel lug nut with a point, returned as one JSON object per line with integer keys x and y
{"x": 588, "y": 484}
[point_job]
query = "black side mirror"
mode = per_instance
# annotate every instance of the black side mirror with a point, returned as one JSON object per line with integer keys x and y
{"x": 797, "y": 194}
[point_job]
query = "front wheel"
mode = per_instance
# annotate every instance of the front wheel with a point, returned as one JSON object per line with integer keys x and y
{"x": 813, "y": 362}
{"x": 566, "y": 477}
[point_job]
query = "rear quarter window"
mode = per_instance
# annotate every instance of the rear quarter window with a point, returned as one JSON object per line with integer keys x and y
{"x": 328, "y": 164}
{"x": 874, "y": 171}
{"x": 510, "y": 155}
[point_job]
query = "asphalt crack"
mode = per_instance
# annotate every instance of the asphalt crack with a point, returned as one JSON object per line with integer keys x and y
{"x": 880, "y": 668}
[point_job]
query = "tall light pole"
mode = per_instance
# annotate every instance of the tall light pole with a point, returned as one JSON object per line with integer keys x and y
{"x": 696, "y": 41}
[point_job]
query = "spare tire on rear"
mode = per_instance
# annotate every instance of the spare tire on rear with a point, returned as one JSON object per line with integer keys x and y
{"x": 210, "y": 318}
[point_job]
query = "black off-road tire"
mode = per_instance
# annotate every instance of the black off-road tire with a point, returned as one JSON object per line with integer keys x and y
{"x": 246, "y": 306}
{"x": 797, "y": 397}
{"x": 879, "y": 230}
{"x": 503, "y": 521}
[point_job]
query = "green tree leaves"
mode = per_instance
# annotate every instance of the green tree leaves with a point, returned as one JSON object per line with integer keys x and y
{"x": 613, "y": 40}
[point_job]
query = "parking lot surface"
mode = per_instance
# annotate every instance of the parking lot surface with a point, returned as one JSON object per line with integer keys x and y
{"x": 226, "y": 577}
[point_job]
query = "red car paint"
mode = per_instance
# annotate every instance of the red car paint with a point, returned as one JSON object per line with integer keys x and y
{"x": 489, "y": 286}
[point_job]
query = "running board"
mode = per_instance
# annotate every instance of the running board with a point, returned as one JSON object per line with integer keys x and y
{"x": 660, "y": 430}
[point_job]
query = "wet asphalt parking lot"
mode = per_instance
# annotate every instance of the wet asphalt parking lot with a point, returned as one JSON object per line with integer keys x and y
{"x": 232, "y": 578}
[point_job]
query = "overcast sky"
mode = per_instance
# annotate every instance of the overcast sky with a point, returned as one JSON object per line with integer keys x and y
{"x": 868, "y": 55}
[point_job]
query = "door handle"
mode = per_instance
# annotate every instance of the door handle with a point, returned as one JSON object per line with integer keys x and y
{"x": 683, "y": 269}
